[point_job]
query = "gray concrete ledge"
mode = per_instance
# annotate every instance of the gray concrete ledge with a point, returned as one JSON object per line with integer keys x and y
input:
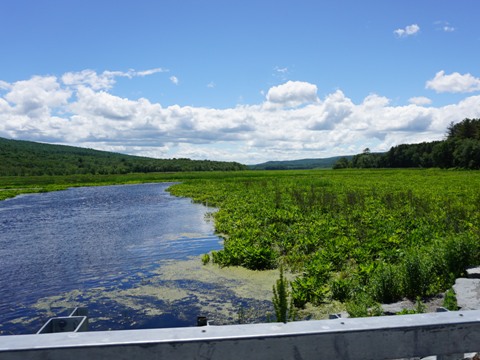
{"x": 384, "y": 337}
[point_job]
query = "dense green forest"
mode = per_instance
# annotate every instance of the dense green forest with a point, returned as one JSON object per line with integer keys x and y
{"x": 460, "y": 149}
{"x": 26, "y": 158}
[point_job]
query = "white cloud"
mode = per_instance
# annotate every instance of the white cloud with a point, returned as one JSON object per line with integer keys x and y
{"x": 373, "y": 101}
{"x": 420, "y": 100}
{"x": 104, "y": 80}
{"x": 4, "y": 85}
{"x": 150, "y": 72}
{"x": 174, "y": 80}
{"x": 292, "y": 93}
{"x": 335, "y": 109}
{"x": 444, "y": 26}
{"x": 89, "y": 78}
{"x": 46, "y": 109}
{"x": 281, "y": 70}
{"x": 453, "y": 83}
{"x": 37, "y": 96}
{"x": 407, "y": 31}
{"x": 211, "y": 85}
{"x": 281, "y": 73}
{"x": 103, "y": 104}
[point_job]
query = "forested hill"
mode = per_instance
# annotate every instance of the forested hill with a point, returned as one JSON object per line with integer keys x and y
{"x": 29, "y": 158}
{"x": 326, "y": 163}
{"x": 460, "y": 149}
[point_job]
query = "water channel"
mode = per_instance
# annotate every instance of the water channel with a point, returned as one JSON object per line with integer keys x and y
{"x": 129, "y": 253}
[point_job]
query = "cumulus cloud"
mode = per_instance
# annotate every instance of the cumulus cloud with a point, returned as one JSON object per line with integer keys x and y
{"x": 292, "y": 93}
{"x": 174, "y": 80}
{"x": 420, "y": 100}
{"x": 37, "y": 96}
{"x": 334, "y": 110}
{"x": 453, "y": 83}
{"x": 4, "y": 85}
{"x": 89, "y": 78}
{"x": 84, "y": 114}
{"x": 407, "y": 31}
{"x": 103, "y": 104}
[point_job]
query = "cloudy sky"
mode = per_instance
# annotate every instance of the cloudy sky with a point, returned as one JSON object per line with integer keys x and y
{"x": 246, "y": 81}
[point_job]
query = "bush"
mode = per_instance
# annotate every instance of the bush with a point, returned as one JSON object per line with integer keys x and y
{"x": 386, "y": 284}
{"x": 309, "y": 289}
{"x": 344, "y": 286}
{"x": 450, "y": 300}
{"x": 362, "y": 306}
{"x": 312, "y": 286}
{"x": 452, "y": 256}
{"x": 460, "y": 252}
{"x": 259, "y": 258}
{"x": 218, "y": 257}
{"x": 416, "y": 274}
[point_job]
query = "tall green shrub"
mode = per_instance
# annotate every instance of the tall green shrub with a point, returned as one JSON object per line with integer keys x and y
{"x": 416, "y": 274}
{"x": 386, "y": 284}
{"x": 460, "y": 252}
{"x": 284, "y": 310}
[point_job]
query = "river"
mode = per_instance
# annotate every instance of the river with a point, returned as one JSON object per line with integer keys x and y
{"x": 129, "y": 253}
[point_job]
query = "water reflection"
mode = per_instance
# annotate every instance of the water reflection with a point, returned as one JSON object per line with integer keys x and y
{"x": 90, "y": 244}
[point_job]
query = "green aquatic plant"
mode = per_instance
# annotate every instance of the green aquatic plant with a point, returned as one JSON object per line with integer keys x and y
{"x": 205, "y": 259}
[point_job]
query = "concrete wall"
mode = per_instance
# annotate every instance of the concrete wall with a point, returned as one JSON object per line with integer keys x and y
{"x": 362, "y": 338}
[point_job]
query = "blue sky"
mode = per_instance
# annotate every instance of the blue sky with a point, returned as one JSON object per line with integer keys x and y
{"x": 246, "y": 81}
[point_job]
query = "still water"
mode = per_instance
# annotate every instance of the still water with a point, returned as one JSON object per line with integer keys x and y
{"x": 95, "y": 246}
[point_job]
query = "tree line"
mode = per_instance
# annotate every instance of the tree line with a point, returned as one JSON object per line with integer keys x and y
{"x": 27, "y": 158}
{"x": 460, "y": 149}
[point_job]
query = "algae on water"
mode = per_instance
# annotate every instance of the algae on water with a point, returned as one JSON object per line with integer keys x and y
{"x": 180, "y": 289}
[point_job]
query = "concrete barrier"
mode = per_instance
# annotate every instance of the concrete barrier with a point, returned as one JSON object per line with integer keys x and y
{"x": 387, "y": 337}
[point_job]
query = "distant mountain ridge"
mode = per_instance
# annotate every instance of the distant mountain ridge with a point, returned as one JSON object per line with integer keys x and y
{"x": 322, "y": 163}
{"x": 28, "y": 158}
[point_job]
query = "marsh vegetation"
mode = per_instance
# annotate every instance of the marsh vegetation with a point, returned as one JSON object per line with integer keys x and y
{"x": 360, "y": 237}
{"x": 353, "y": 238}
